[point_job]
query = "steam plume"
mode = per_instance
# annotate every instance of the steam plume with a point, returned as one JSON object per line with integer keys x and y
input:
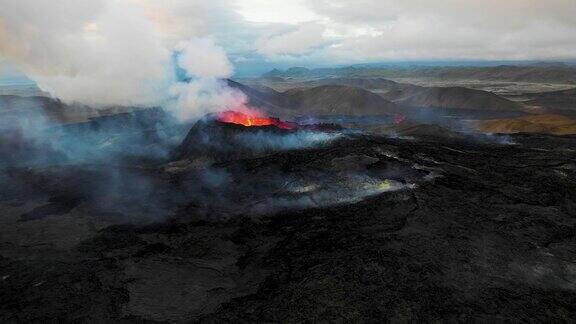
{"x": 205, "y": 66}
{"x": 102, "y": 52}
{"x": 109, "y": 52}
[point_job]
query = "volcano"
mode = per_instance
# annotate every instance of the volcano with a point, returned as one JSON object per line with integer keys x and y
{"x": 234, "y": 134}
{"x": 252, "y": 118}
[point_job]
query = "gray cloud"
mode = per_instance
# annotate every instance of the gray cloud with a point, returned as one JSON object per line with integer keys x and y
{"x": 449, "y": 29}
{"x": 117, "y": 51}
{"x": 100, "y": 52}
{"x": 299, "y": 40}
{"x": 120, "y": 52}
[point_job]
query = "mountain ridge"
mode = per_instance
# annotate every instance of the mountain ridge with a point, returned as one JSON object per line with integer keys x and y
{"x": 526, "y": 73}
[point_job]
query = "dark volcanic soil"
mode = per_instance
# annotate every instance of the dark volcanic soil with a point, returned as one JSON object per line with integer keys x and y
{"x": 486, "y": 234}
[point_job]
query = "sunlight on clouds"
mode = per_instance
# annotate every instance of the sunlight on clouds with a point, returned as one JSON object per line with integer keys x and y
{"x": 311, "y": 31}
{"x": 296, "y": 42}
{"x": 276, "y": 11}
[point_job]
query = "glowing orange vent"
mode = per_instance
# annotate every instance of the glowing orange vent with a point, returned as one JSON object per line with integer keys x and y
{"x": 251, "y": 119}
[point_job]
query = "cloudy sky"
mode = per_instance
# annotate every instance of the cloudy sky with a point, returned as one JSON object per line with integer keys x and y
{"x": 87, "y": 41}
{"x": 353, "y": 31}
{"x": 350, "y": 31}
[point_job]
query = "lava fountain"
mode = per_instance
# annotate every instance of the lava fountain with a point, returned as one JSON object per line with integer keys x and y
{"x": 252, "y": 118}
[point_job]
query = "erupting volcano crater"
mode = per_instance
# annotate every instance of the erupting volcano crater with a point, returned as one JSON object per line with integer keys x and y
{"x": 233, "y": 134}
{"x": 295, "y": 165}
{"x": 252, "y": 118}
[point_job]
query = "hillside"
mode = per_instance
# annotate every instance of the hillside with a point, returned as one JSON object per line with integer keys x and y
{"x": 263, "y": 97}
{"x": 451, "y": 98}
{"x": 321, "y": 100}
{"x": 366, "y": 83}
{"x": 547, "y": 124}
{"x": 48, "y": 109}
{"x": 402, "y": 94}
{"x": 555, "y": 100}
{"x": 338, "y": 100}
{"x": 424, "y": 97}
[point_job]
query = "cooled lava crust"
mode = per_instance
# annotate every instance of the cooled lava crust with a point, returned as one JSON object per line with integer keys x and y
{"x": 492, "y": 239}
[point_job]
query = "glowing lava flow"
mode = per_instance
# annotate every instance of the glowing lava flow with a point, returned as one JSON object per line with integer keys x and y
{"x": 252, "y": 119}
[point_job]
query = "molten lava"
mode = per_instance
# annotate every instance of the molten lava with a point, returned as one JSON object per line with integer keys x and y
{"x": 252, "y": 119}
{"x": 399, "y": 119}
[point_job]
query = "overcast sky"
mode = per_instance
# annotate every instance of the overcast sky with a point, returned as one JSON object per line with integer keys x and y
{"x": 351, "y": 31}
{"x": 325, "y": 32}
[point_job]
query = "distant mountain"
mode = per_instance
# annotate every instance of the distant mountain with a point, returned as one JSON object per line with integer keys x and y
{"x": 338, "y": 100}
{"x": 321, "y": 100}
{"x": 556, "y": 72}
{"x": 451, "y": 98}
{"x": 261, "y": 96}
{"x": 425, "y": 97}
{"x": 298, "y": 71}
{"x": 366, "y": 83}
{"x": 552, "y": 64}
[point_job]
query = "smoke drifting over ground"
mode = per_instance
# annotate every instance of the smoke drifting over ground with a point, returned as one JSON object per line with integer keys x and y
{"x": 262, "y": 141}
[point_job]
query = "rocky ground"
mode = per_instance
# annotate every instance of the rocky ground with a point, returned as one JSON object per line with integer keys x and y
{"x": 472, "y": 231}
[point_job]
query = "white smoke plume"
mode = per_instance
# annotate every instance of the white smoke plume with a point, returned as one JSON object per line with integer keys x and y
{"x": 111, "y": 52}
{"x": 205, "y": 91}
{"x": 102, "y": 52}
